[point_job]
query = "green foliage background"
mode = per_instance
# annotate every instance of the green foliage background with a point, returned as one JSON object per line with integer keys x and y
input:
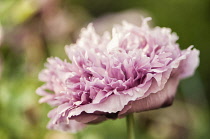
{"x": 29, "y": 38}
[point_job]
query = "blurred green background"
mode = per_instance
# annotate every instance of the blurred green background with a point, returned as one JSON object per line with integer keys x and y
{"x": 32, "y": 30}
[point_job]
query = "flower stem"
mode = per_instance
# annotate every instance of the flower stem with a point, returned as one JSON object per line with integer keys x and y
{"x": 130, "y": 126}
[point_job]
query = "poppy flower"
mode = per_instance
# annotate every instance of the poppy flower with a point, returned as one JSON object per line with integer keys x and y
{"x": 133, "y": 69}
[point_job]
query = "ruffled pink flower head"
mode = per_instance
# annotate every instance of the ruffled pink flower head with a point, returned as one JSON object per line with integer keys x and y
{"x": 134, "y": 69}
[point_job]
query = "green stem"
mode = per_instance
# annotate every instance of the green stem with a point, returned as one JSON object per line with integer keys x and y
{"x": 130, "y": 126}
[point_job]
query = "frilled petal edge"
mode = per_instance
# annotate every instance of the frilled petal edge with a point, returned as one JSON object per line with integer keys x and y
{"x": 160, "y": 99}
